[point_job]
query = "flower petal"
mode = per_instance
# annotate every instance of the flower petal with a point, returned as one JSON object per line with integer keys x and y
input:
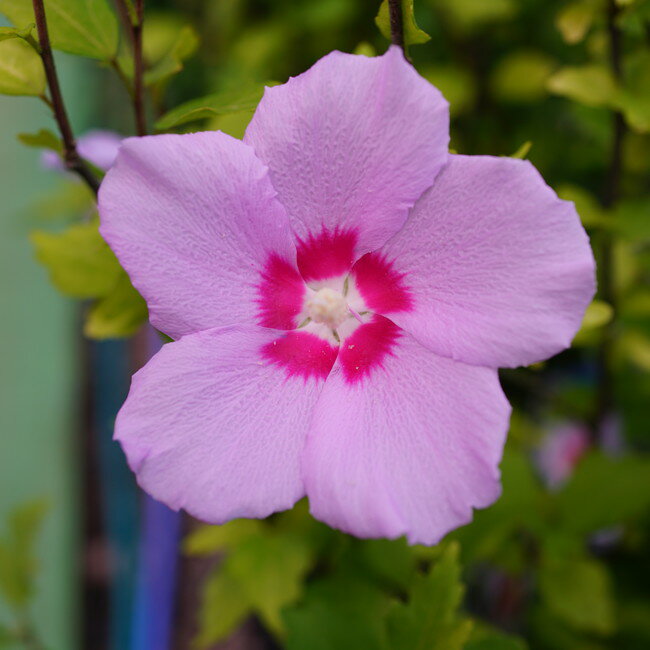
{"x": 498, "y": 269}
{"x": 195, "y": 222}
{"x": 351, "y": 144}
{"x": 407, "y": 449}
{"x": 211, "y": 426}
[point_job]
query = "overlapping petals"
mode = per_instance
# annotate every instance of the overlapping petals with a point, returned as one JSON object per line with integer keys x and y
{"x": 351, "y": 144}
{"x": 498, "y": 270}
{"x": 208, "y": 428}
{"x": 195, "y": 222}
{"x": 391, "y": 419}
{"x": 411, "y": 450}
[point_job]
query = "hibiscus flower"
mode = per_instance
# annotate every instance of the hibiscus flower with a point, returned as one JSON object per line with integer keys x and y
{"x": 341, "y": 292}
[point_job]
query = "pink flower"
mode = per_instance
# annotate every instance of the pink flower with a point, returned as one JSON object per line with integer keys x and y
{"x": 97, "y": 146}
{"x": 340, "y": 316}
{"x": 560, "y": 451}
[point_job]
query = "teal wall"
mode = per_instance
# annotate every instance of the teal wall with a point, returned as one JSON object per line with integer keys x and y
{"x": 39, "y": 372}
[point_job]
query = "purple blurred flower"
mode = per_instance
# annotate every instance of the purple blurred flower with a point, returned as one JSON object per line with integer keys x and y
{"x": 559, "y": 452}
{"x": 340, "y": 316}
{"x": 97, "y": 146}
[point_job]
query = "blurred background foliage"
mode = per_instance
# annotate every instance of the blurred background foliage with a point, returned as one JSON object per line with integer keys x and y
{"x": 561, "y": 560}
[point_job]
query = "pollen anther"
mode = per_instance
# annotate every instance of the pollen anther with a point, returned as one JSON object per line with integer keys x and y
{"x": 327, "y": 306}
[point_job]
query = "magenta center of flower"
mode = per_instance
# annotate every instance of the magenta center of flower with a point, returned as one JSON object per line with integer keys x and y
{"x": 333, "y": 308}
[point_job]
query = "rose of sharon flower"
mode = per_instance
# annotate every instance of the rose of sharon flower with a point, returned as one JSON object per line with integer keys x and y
{"x": 97, "y": 146}
{"x": 341, "y": 291}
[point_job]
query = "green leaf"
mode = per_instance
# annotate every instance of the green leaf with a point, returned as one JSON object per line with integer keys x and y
{"x": 207, "y": 540}
{"x": 590, "y": 211}
{"x": 390, "y": 562}
{"x": 632, "y": 219}
{"x": 14, "y": 32}
{"x": 413, "y": 35}
{"x": 17, "y": 561}
{"x": 340, "y": 612}
{"x": 121, "y": 313}
{"x": 521, "y": 76}
{"x": 171, "y": 63}
{"x": 522, "y": 152}
{"x": 605, "y": 491}
{"x": 224, "y": 605}
{"x": 591, "y": 84}
{"x": 221, "y": 103}
{"x": 472, "y": 15}
{"x": 79, "y": 261}
{"x": 578, "y": 591}
{"x": 270, "y": 570}
{"x": 430, "y": 620}
{"x": 520, "y": 507}
{"x": 455, "y": 83}
{"x": 84, "y": 27}
{"x": 43, "y": 139}
{"x": 21, "y": 69}
{"x": 634, "y": 98}
{"x": 486, "y": 637}
{"x": 575, "y": 20}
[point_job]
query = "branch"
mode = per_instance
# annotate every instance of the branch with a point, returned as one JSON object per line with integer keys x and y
{"x": 396, "y": 23}
{"x": 611, "y": 194}
{"x": 138, "y": 70}
{"x": 132, "y": 17}
{"x": 73, "y": 161}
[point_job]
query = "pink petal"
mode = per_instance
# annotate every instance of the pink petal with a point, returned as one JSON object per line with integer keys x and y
{"x": 410, "y": 448}
{"x": 195, "y": 222}
{"x": 212, "y": 427}
{"x": 351, "y": 144}
{"x": 499, "y": 269}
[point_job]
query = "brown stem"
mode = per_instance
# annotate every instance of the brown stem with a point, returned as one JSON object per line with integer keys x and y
{"x": 73, "y": 161}
{"x": 396, "y": 23}
{"x": 133, "y": 19}
{"x": 138, "y": 71}
{"x": 611, "y": 194}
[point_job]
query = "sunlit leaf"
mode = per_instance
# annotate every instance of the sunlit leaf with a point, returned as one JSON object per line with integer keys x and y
{"x": 17, "y": 560}
{"x": 574, "y": 20}
{"x": 171, "y": 63}
{"x": 598, "y": 314}
{"x": 471, "y": 15}
{"x": 591, "y": 212}
{"x": 43, "y": 139}
{"x": 366, "y": 49}
{"x": 14, "y": 32}
{"x": 79, "y": 261}
{"x": 591, "y": 84}
{"x": 523, "y": 150}
{"x": 207, "y": 540}
{"x": 224, "y": 605}
{"x": 413, "y": 35}
{"x": 634, "y": 98}
{"x": 221, "y": 103}
{"x": 430, "y": 619}
{"x": 455, "y": 83}
{"x": 120, "y": 313}
{"x": 270, "y": 570}
{"x": 521, "y": 76}
{"x": 21, "y": 69}
{"x": 84, "y": 27}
